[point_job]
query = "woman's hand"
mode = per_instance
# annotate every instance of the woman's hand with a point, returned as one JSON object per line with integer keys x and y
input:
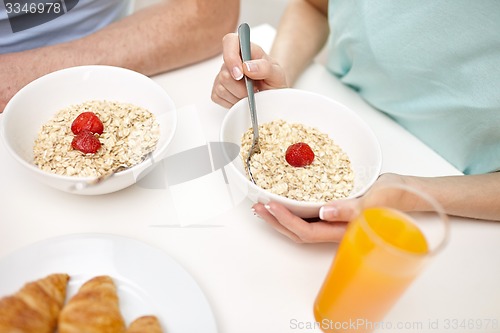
{"x": 330, "y": 228}
{"x": 229, "y": 88}
{"x": 334, "y": 216}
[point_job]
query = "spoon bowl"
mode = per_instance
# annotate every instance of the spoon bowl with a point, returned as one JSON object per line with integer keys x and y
{"x": 97, "y": 180}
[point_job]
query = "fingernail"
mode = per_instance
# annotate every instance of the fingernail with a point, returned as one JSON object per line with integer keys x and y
{"x": 237, "y": 74}
{"x": 255, "y": 213}
{"x": 328, "y": 212}
{"x": 251, "y": 66}
{"x": 269, "y": 209}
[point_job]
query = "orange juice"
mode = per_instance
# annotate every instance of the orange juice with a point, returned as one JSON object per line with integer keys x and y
{"x": 380, "y": 255}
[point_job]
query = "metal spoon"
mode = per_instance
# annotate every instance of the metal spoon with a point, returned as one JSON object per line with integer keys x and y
{"x": 94, "y": 181}
{"x": 244, "y": 37}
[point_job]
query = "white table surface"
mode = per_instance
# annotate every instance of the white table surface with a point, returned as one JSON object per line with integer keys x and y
{"x": 255, "y": 279}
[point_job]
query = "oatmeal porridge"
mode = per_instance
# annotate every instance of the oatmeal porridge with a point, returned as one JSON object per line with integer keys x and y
{"x": 328, "y": 177}
{"x": 130, "y": 132}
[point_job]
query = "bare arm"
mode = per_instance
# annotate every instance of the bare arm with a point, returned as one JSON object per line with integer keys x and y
{"x": 159, "y": 38}
{"x": 302, "y": 33}
{"x": 475, "y": 196}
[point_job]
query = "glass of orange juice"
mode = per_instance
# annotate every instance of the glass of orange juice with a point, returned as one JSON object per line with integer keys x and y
{"x": 382, "y": 252}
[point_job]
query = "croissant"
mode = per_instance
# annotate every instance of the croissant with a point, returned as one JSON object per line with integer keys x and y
{"x": 145, "y": 324}
{"x": 94, "y": 308}
{"x": 35, "y": 307}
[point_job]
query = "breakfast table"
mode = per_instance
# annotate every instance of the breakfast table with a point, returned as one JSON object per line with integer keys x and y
{"x": 253, "y": 278}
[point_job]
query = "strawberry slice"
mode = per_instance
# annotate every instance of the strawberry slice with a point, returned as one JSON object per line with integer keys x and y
{"x": 86, "y": 142}
{"x": 299, "y": 155}
{"x": 87, "y": 121}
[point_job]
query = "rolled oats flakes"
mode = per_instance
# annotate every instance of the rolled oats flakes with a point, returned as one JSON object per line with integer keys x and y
{"x": 329, "y": 177}
{"x": 130, "y": 132}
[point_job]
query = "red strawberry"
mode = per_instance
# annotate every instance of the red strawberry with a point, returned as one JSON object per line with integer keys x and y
{"x": 86, "y": 142}
{"x": 299, "y": 155}
{"x": 87, "y": 121}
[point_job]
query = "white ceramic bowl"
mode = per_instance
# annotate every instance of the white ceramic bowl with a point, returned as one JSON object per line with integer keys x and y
{"x": 343, "y": 125}
{"x": 37, "y": 103}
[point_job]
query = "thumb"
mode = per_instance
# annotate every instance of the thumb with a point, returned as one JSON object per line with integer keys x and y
{"x": 340, "y": 210}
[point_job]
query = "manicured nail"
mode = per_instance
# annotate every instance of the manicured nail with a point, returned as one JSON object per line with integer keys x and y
{"x": 251, "y": 66}
{"x": 269, "y": 209}
{"x": 328, "y": 212}
{"x": 237, "y": 74}
{"x": 255, "y": 213}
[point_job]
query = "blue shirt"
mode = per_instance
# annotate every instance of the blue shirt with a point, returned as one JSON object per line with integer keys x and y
{"x": 433, "y": 66}
{"x": 27, "y": 27}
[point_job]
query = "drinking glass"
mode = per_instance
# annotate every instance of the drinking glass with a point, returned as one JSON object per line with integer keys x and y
{"x": 384, "y": 249}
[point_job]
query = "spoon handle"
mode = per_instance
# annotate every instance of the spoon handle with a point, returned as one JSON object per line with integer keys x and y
{"x": 244, "y": 37}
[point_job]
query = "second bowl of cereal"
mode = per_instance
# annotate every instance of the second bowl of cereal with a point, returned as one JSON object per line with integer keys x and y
{"x": 313, "y": 150}
{"x": 75, "y": 125}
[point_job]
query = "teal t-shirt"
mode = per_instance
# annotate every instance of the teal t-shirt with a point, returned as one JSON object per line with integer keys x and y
{"x": 433, "y": 66}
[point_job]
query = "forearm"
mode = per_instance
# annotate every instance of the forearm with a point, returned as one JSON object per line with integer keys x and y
{"x": 158, "y": 38}
{"x": 476, "y": 196}
{"x": 302, "y": 33}
{"x": 161, "y": 37}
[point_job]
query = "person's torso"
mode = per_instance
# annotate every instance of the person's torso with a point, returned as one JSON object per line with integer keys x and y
{"x": 27, "y": 25}
{"x": 434, "y": 66}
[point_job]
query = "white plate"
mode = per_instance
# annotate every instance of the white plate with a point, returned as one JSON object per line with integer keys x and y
{"x": 148, "y": 281}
